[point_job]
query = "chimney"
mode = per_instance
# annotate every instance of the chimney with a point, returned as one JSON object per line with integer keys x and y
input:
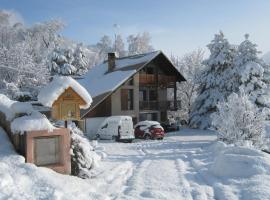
{"x": 111, "y": 61}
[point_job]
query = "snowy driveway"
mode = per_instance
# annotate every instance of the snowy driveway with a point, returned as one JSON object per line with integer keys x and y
{"x": 156, "y": 169}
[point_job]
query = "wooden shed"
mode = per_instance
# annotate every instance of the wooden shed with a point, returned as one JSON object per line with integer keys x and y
{"x": 66, "y": 97}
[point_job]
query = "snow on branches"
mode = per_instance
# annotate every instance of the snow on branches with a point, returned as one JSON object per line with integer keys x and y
{"x": 229, "y": 68}
{"x": 239, "y": 121}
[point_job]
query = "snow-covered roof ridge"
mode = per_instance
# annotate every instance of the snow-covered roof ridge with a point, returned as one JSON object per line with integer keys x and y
{"x": 57, "y": 86}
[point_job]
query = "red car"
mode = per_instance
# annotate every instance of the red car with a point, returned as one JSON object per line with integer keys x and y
{"x": 149, "y": 130}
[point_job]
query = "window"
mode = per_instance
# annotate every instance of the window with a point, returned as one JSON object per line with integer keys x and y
{"x": 143, "y": 95}
{"x": 152, "y": 95}
{"x": 127, "y": 99}
{"x": 46, "y": 150}
{"x": 148, "y": 116}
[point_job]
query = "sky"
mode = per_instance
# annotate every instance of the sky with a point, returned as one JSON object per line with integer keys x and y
{"x": 176, "y": 26}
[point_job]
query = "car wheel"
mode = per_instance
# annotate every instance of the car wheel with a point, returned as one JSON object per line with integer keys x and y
{"x": 147, "y": 137}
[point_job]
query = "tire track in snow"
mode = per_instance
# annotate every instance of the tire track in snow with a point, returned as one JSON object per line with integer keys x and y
{"x": 135, "y": 182}
{"x": 198, "y": 189}
{"x": 111, "y": 182}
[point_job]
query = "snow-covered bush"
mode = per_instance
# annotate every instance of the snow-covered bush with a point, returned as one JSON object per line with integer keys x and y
{"x": 239, "y": 121}
{"x": 83, "y": 155}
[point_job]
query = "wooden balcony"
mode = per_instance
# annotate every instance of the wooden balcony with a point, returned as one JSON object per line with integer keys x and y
{"x": 160, "y": 105}
{"x": 147, "y": 79}
{"x": 161, "y": 80}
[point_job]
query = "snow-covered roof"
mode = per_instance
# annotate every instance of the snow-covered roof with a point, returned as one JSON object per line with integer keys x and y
{"x": 98, "y": 81}
{"x": 57, "y": 86}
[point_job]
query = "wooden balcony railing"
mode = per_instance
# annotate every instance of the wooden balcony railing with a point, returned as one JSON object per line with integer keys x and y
{"x": 160, "y": 105}
{"x": 147, "y": 79}
{"x": 151, "y": 79}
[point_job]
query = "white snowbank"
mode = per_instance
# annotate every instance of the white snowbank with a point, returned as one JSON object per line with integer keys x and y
{"x": 21, "y": 107}
{"x": 5, "y": 106}
{"x": 33, "y": 122}
{"x": 22, "y": 181}
{"x": 241, "y": 162}
{"x": 57, "y": 86}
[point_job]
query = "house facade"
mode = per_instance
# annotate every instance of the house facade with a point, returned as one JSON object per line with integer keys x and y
{"x": 137, "y": 86}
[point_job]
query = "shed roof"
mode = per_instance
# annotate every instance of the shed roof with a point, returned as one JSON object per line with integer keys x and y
{"x": 57, "y": 86}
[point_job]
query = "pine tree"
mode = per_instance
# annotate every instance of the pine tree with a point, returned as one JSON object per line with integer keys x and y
{"x": 249, "y": 70}
{"x": 215, "y": 81}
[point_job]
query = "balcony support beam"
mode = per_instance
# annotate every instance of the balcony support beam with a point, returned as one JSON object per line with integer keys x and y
{"x": 175, "y": 96}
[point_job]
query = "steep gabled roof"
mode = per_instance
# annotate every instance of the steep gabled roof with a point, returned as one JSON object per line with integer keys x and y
{"x": 100, "y": 83}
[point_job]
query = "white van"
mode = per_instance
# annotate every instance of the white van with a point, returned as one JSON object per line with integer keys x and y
{"x": 119, "y": 128}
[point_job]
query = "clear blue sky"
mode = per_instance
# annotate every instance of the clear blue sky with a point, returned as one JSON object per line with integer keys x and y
{"x": 176, "y": 26}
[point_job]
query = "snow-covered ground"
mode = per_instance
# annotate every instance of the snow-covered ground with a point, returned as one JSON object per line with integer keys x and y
{"x": 188, "y": 164}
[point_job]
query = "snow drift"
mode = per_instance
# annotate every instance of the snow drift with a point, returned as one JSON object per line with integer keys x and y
{"x": 241, "y": 162}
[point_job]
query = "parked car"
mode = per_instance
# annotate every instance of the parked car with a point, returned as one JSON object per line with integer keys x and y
{"x": 149, "y": 130}
{"x": 119, "y": 128}
{"x": 170, "y": 127}
{"x": 171, "y": 124}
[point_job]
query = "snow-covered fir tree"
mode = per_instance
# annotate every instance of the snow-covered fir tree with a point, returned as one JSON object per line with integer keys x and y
{"x": 69, "y": 61}
{"x": 83, "y": 155}
{"x": 249, "y": 70}
{"x": 215, "y": 84}
{"x": 239, "y": 121}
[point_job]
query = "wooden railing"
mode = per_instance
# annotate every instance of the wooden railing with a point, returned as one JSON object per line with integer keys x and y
{"x": 151, "y": 79}
{"x": 147, "y": 79}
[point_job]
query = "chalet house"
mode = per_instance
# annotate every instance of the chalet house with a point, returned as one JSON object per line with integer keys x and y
{"x": 134, "y": 85}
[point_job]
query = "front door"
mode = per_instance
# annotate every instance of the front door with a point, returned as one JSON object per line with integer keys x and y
{"x": 68, "y": 111}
